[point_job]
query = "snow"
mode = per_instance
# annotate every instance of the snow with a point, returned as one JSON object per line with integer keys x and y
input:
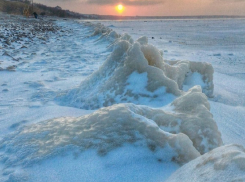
{"x": 192, "y": 80}
{"x": 226, "y": 163}
{"x": 107, "y": 102}
{"x": 116, "y": 166}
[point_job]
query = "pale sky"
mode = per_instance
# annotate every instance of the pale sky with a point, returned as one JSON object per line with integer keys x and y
{"x": 152, "y": 7}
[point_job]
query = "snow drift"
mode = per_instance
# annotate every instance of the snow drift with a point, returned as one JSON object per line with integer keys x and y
{"x": 135, "y": 72}
{"x": 178, "y": 135}
{"x": 226, "y": 164}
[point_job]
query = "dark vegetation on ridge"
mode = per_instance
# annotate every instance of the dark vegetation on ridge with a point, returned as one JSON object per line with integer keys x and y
{"x": 18, "y": 7}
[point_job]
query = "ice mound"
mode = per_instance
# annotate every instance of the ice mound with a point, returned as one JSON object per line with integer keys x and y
{"x": 135, "y": 72}
{"x": 190, "y": 116}
{"x": 183, "y": 72}
{"x": 198, "y": 122}
{"x": 226, "y": 164}
{"x": 188, "y": 74}
{"x": 102, "y": 31}
{"x": 179, "y": 71}
{"x": 179, "y": 135}
{"x": 104, "y": 130}
{"x": 124, "y": 77}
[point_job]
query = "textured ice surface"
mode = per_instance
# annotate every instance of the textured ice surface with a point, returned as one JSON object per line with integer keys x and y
{"x": 226, "y": 163}
{"x": 180, "y": 135}
{"x": 131, "y": 63}
{"x": 201, "y": 40}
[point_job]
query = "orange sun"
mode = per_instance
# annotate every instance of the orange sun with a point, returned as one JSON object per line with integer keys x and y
{"x": 120, "y": 8}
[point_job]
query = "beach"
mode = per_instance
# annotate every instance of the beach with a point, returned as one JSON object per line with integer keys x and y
{"x": 121, "y": 100}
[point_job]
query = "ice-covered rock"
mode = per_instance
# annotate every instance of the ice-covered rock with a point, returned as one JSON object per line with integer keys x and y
{"x": 226, "y": 164}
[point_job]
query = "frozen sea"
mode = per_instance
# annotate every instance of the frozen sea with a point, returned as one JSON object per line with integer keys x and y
{"x": 60, "y": 78}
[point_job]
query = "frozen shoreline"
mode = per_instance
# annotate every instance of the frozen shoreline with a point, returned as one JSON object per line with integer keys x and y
{"x": 18, "y": 33}
{"x": 43, "y": 68}
{"x": 62, "y": 63}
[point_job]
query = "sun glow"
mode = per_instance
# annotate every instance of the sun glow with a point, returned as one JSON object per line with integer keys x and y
{"x": 120, "y": 8}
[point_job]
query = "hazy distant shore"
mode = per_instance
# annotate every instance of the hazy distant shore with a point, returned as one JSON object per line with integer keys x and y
{"x": 17, "y": 8}
{"x": 111, "y": 17}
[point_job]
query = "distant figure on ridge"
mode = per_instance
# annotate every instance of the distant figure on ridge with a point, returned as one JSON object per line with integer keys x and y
{"x": 35, "y": 15}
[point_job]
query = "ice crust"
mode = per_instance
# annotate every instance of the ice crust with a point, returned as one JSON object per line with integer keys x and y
{"x": 226, "y": 164}
{"x": 112, "y": 83}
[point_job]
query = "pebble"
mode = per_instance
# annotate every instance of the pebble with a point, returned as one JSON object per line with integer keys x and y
{"x": 5, "y": 90}
{"x": 18, "y": 34}
{"x": 11, "y": 68}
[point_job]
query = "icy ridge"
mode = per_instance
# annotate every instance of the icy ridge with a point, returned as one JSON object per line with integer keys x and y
{"x": 130, "y": 63}
{"x": 180, "y": 135}
{"x": 175, "y": 70}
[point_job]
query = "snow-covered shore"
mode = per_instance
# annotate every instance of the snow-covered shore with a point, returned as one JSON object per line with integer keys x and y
{"x": 69, "y": 66}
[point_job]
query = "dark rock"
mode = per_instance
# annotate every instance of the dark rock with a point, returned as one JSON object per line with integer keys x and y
{"x": 11, "y": 68}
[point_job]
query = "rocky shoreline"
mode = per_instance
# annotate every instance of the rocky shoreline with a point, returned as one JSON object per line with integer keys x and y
{"x": 17, "y": 33}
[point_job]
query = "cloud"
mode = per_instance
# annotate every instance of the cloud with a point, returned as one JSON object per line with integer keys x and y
{"x": 126, "y": 2}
